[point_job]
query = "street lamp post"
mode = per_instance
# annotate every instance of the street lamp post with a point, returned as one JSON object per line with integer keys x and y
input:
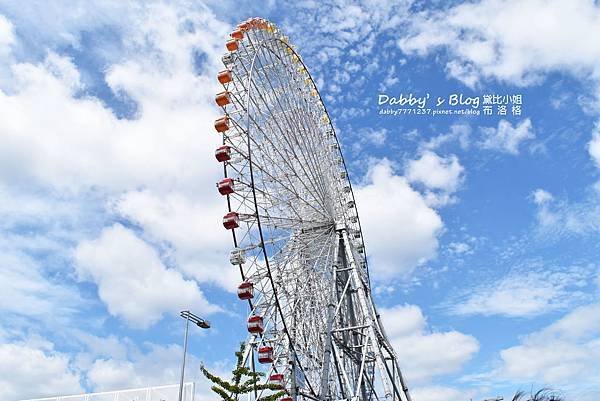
{"x": 198, "y": 321}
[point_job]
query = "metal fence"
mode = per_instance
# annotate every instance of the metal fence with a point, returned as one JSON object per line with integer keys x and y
{"x": 157, "y": 393}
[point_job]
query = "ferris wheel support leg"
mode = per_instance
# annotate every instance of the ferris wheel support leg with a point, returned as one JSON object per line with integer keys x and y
{"x": 392, "y": 355}
{"x": 328, "y": 339}
{"x": 253, "y": 367}
{"x": 396, "y": 371}
{"x": 341, "y": 373}
{"x": 362, "y": 297}
{"x": 361, "y": 374}
{"x": 294, "y": 385}
{"x": 351, "y": 337}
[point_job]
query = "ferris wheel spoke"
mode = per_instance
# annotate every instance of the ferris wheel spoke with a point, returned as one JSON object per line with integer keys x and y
{"x": 294, "y": 247}
{"x": 284, "y": 185}
{"x": 276, "y": 165}
{"x": 266, "y": 104}
{"x": 306, "y": 126}
{"x": 297, "y": 126}
{"x": 261, "y": 96}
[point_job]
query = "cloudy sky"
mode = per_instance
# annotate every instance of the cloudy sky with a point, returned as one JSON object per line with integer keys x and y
{"x": 482, "y": 230}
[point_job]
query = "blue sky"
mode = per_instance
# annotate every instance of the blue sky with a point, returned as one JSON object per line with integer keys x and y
{"x": 484, "y": 255}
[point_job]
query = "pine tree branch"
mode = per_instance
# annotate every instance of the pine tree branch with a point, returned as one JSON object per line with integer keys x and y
{"x": 222, "y": 393}
{"x": 273, "y": 397}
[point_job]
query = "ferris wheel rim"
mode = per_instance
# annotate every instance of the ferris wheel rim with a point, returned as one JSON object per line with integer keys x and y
{"x": 354, "y": 227}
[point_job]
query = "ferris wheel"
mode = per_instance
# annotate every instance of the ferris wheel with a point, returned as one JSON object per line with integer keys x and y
{"x": 313, "y": 327}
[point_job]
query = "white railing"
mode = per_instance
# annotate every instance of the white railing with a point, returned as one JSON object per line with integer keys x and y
{"x": 157, "y": 393}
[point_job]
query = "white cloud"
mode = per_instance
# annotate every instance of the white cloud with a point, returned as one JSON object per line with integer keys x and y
{"x": 403, "y": 320}
{"x": 506, "y": 138}
{"x": 563, "y": 354}
{"x": 132, "y": 280}
{"x": 7, "y": 37}
{"x": 32, "y": 368}
{"x": 77, "y": 154}
{"x": 545, "y": 216}
{"x": 440, "y": 393}
{"x": 159, "y": 150}
{"x": 460, "y": 248}
{"x": 157, "y": 365}
{"x": 537, "y": 290}
{"x": 367, "y": 138}
{"x": 582, "y": 322}
{"x": 541, "y": 196}
{"x": 28, "y": 372}
{"x": 376, "y": 137}
{"x": 109, "y": 374}
{"x": 26, "y": 290}
{"x": 496, "y": 39}
{"x": 557, "y": 218}
{"x": 458, "y": 132}
{"x": 390, "y": 80}
{"x": 185, "y": 223}
{"x": 594, "y": 145}
{"x": 435, "y": 172}
{"x": 397, "y": 238}
{"x": 343, "y": 31}
{"x": 553, "y": 362}
{"x": 60, "y": 28}
{"x": 441, "y": 176}
{"x": 96, "y": 346}
{"x": 424, "y": 354}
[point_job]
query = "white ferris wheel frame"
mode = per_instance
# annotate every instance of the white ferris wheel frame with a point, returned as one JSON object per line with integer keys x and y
{"x": 297, "y": 237}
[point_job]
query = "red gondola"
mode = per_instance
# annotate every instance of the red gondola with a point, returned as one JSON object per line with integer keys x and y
{"x": 231, "y": 221}
{"x": 223, "y": 153}
{"x": 265, "y": 354}
{"x": 277, "y": 380}
{"x": 255, "y": 324}
{"x": 245, "y": 290}
{"x": 226, "y": 186}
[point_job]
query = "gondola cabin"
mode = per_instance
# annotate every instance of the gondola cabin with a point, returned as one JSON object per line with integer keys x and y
{"x": 237, "y": 256}
{"x": 245, "y": 290}
{"x": 231, "y": 221}
{"x": 277, "y": 380}
{"x": 223, "y": 153}
{"x": 222, "y": 124}
{"x": 222, "y": 99}
{"x": 232, "y": 45}
{"x": 224, "y": 76}
{"x": 265, "y": 354}
{"x": 255, "y": 324}
{"x": 226, "y": 186}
